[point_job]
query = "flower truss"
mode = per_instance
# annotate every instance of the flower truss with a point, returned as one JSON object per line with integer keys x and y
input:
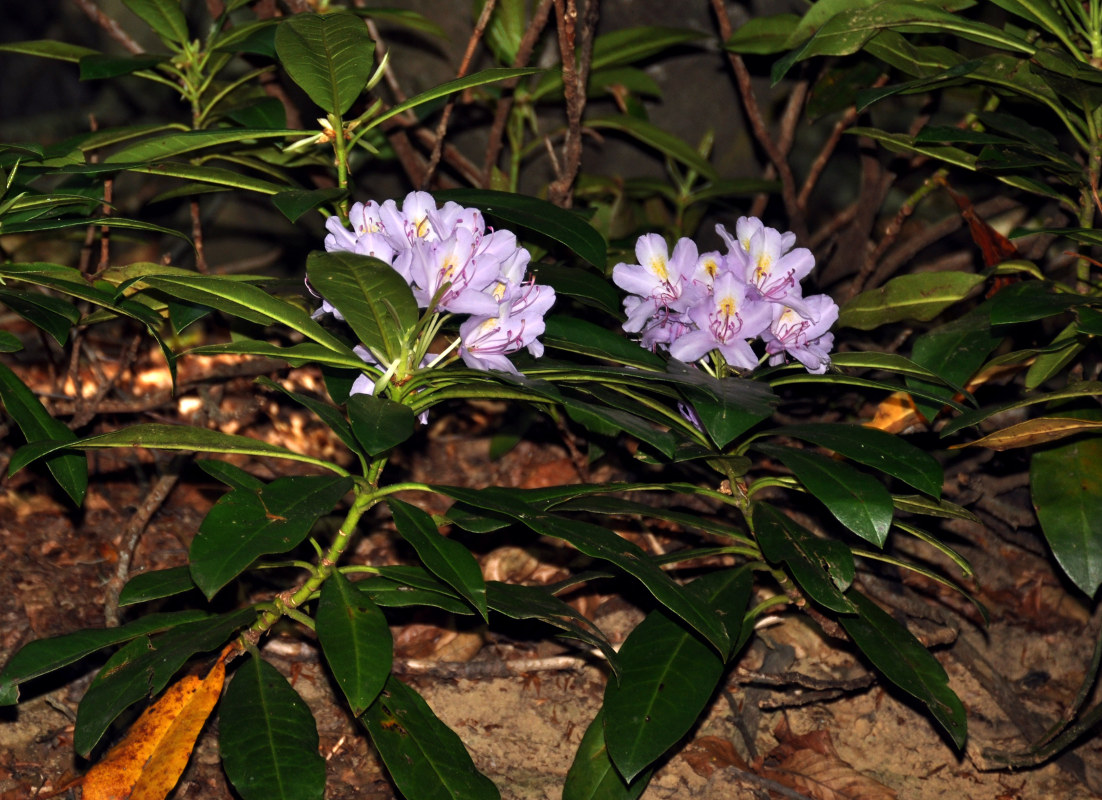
{"x": 454, "y": 264}
{"x": 696, "y": 305}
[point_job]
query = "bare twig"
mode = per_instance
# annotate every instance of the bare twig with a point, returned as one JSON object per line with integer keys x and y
{"x": 442, "y": 126}
{"x": 505, "y": 106}
{"x": 114, "y": 30}
{"x": 757, "y": 124}
{"x": 197, "y": 237}
{"x": 576, "y": 51}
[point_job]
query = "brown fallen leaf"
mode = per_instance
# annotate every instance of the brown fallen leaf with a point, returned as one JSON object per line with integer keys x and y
{"x": 706, "y": 754}
{"x": 896, "y": 413}
{"x": 1033, "y": 431}
{"x": 148, "y": 762}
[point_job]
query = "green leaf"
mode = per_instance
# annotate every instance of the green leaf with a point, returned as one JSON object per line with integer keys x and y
{"x": 954, "y": 351}
{"x": 536, "y": 602}
{"x": 447, "y": 559}
{"x": 899, "y": 656}
{"x": 164, "y": 17}
{"x": 449, "y": 87}
{"x": 873, "y": 448}
{"x": 379, "y": 424}
{"x": 917, "y": 504}
{"x": 1066, "y": 487}
{"x": 268, "y": 738}
{"x": 668, "y": 675}
{"x": 9, "y": 343}
{"x": 1078, "y": 389}
{"x": 215, "y": 176}
{"x": 328, "y": 414}
{"x": 227, "y": 473}
{"x": 155, "y": 585}
{"x": 583, "y": 284}
{"x": 293, "y": 203}
{"x": 534, "y": 214}
{"x": 102, "y": 67}
{"x": 157, "y": 436}
{"x": 666, "y": 143}
{"x": 919, "y": 297}
{"x": 246, "y": 301}
{"x": 763, "y": 35}
{"x": 48, "y": 48}
{"x": 51, "y": 314}
{"x": 858, "y": 501}
{"x": 586, "y": 338}
{"x": 70, "y": 470}
{"x": 246, "y": 524}
{"x": 161, "y": 147}
{"x": 43, "y": 656}
{"x": 424, "y": 756}
{"x": 296, "y": 355}
{"x": 597, "y": 542}
{"x": 372, "y": 297}
{"x": 403, "y": 586}
{"x": 1032, "y": 300}
{"x": 823, "y": 568}
{"x": 593, "y": 776}
{"x": 144, "y": 667}
{"x": 330, "y": 56}
{"x": 356, "y": 641}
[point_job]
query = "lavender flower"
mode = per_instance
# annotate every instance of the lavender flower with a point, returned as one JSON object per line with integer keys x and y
{"x": 804, "y": 338}
{"x": 487, "y": 340}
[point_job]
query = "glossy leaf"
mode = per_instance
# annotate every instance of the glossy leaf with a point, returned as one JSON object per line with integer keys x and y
{"x": 175, "y": 144}
{"x": 293, "y": 203}
{"x": 158, "y": 436}
{"x": 144, "y": 667}
{"x": 156, "y": 584}
{"x": 763, "y": 35}
{"x": 449, "y": 87}
{"x": 1075, "y": 390}
{"x": 445, "y": 558}
{"x": 1066, "y": 487}
{"x": 296, "y": 354}
{"x": 593, "y": 776}
{"x": 227, "y": 473}
{"x": 379, "y": 424}
{"x": 43, "y": 656}
{"x": 858, "y": 501}
{"x": 954, "y": 351}
{"x": 330, "y": 56}
{"x": 51, "y": 314}
{"x": 919, "y": 504}
{"x": 268, "y": 738}
{"x": 534, "y": 214}
{"x": 356, "y": 641}
{"x": 823, "y": 568}
{"x": 424, "y": 756}
{"x": 149, "y": 761}
{"x": 1039, "y": 430}
{"x": 102, "y": 67}
{"x": 586, "y": 338}
{"x": 668, "y": 675}
{"x": 165, "y": 18}
{"x": 49, "y": 48}
{"x": 215, "y": 176}
{"x": 536, "y": 602}
{"x": 584, "y": 284}
{"x": 372, "y": 297}
{"x": 400, "y": 586}
{"x": 888, "y": 454}
{"x": 70, "y": 470}
{"x": 246, "y": 524}
{"x": 899, "y": 656}
{"x": 919, "y": 297}
{"x": 1029, "y": 300}
{"x": 597, "y": 542}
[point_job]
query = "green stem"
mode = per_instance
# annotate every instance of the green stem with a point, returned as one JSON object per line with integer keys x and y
{"x": 340, "y": 153}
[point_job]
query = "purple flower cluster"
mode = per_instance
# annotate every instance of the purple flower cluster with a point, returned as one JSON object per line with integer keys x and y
{"x": 453, "y": 263}
{"x": 692, "y": 304}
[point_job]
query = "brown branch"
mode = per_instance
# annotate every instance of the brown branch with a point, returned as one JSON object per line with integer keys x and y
{"x": 501, "y": 114}
{"x": 576, "y": 52}
{"x": 796, "y": 219}
{"x": 442, "y": 126}
{"x": 114, "y": 30}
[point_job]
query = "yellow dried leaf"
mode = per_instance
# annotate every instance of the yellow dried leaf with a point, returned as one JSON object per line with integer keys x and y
{"x": 896, "y": 413}
{"x": 1033, "y": 431}
{"x": 147, "y": 763}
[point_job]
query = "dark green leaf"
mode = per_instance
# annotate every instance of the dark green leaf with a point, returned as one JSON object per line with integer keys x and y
{"x": 954, "y": 351}
{"x": 43, "y": 656}
{"x": 51, "y": 314}
{"x": 155, "y": 585}
{"x": 585, "y": 338}
{"x": 48, "y": 48}
{"x": 425, "y": 758}
{"x": 592, "y": 775}
{"x": 445, "y": 558}
{"x": 356, "y": 641}
{"x": 823, "y": 568}
{"x": 1030, "y": 300}
{"x": 216, "y": 176}
{"x": 1066, "y": 486}
{"x": 296, "y": 202}
{"x": 763, "y": 35}
{"x": 858, "y": 501}
{"x": 328, "y": 414}
{"x": 400, "y": 586}
{"x": 905, "y": 662}
{"x": 9, "y": 343}
{"x": 268, "y": 738}
{"x": 379, "y": 424}
{"x": 1078, "y": 389}
{"x": 330, "y": 56}
{"x": 165, "y": 18}
{"x": 668, "y": 675}
{"x": 565, "y": 227}
{"x": 597, "y": 542}
{"x": 873, "y": 448}
{"x": 372, "y": 297}
{"x": 583, "y": 284}
{"x": 144, "y": 667}
{"x": 162, "y": 147}
{"x": 666, "y": 143}
{"x": 101, "y": 67}
{"x": 253, "y": 37}
{"x": 70, "y": 470}
{"x": 246, "y": 524}
{"x": 232, "y": 476}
